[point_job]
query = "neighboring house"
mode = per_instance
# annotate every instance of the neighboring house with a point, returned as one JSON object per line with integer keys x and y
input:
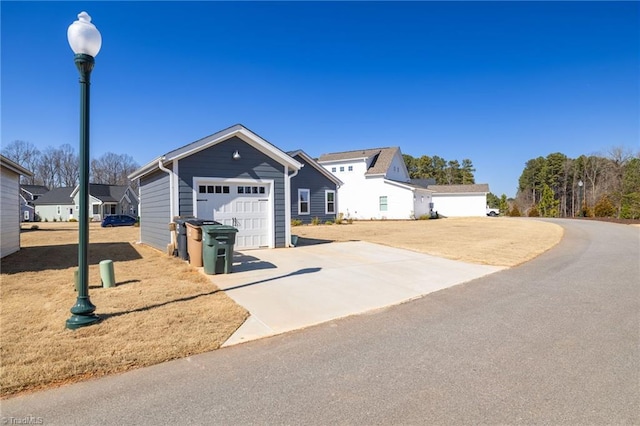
{"x": 233, "y": 176}
{"x": 105, "y": 200}
{"x": 56, "y": 204}
{"x": 28, "y": 194}
{"x": 376, "y": 185}
{"x": 62, "y": 204}
{"x": 460, "y": 200}
{"x": 314, "y": 191}
{"x": 10, "y": 173}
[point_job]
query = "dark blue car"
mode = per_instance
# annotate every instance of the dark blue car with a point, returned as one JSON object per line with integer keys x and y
{"x": 118, "y": 220}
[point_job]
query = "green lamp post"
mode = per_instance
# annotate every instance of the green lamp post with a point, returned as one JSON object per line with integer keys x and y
{"x": 85, "y": 41}
{"x": 580, "y": 184}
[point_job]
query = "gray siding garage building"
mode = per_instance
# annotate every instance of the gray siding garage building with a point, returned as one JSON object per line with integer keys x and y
{"x": 234, "y": 177}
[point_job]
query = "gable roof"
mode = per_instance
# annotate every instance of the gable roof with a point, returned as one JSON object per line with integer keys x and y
{"x": 380, "y": 163}
{"x": 424, "y": 183}
{"x": 460, "y": 189}
{"x": 237, "y": 130}
{"x": 34, "y": 189}
{"x": 56, "y": 196}
{"x": 313, "y": 163}
{"x": 105, "y": 193}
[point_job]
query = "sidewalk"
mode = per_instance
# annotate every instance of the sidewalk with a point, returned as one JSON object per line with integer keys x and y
{"x": 293, "y": 288}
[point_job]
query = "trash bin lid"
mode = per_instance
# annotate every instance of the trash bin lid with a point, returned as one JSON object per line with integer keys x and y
{"x": 218, "y": 227}
{"x": 200, "y": 222}
{"x": 180, "y": 220}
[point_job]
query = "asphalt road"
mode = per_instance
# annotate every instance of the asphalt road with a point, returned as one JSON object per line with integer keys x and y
{"x": 553, "y": 341}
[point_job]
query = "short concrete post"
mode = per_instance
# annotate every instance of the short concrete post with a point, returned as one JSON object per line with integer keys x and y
{"x": 106, "y": 274}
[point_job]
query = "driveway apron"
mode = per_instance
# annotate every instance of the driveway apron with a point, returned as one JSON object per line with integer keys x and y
{"x": 293, "y": 288}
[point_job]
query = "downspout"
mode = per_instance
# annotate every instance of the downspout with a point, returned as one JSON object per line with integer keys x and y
{"x": 287, "y": 214}
{"x": 164, "y": 169}
{"x": 174, "y": 243}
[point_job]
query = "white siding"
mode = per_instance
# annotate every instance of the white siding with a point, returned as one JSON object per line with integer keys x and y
{"x": 361, "y": 200}
{"x": 460, "y": 205}
{"x": 421, "y": 201}
{"x": 49, "y": 212}
{"x": 9, "y": 212}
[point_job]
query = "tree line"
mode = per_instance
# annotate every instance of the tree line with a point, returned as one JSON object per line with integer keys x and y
{"x": 594, "y": 185}
{"x": 444, "y": 172}
{"x": 60, "y": 167}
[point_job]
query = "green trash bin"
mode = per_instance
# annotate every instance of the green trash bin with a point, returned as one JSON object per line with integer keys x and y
{"x": 217, "y": 248}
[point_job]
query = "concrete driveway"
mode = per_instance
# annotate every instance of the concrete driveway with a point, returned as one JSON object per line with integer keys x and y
{"x": 293, "y": 288}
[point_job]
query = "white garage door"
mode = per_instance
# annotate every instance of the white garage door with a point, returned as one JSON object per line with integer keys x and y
{"x": 243, "y": 206}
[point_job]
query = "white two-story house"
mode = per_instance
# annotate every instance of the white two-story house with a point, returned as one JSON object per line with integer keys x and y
{"x": 376, "y": 185}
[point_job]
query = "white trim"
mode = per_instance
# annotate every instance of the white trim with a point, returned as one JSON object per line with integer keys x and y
{"x": 238, "y": 130}
{"x": 326, "y": 201}
{"x": 170, "y": 173}
{"x": 308, "y": 191}
{"x": 175, "y": 188}
{"x": 201, "y": 180}
{"x": 287, "y": 205}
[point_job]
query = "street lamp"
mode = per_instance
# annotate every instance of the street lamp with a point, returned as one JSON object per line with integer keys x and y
{"x": 580, "y": 184}
{"x": 85, "y": 41}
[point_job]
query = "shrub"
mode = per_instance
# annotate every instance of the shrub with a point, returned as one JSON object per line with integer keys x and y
{"x": 533, "y": 212}
{"x": 329, "y": 222}
{"x": 424, "y": 217}
{"x": 46, "y": 220}
{"x": 339, "y": 218}
{"x": 515, "y": 211}
{"x": 34, "y": 227}
{"x": 296, "y": 222}
{"x": 73, "y": 220}
{"x": 55, "y": 220}
{"x": 350, "y": 221}
{"x": 604, "y": 208}
{"x": 315, "y": 221}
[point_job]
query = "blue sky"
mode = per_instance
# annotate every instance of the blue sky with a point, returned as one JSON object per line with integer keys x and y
{"x": 496, "y": 82}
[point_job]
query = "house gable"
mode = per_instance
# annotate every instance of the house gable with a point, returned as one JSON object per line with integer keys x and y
{"x": 228, "y": 177}
{"x": 376, "y": 184}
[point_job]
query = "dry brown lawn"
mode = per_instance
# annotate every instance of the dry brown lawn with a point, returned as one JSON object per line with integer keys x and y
{"x": 162, "y": 309}
{"x": 489, "y": 241}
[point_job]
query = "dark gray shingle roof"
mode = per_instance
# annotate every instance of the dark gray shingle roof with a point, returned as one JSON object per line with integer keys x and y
{"x": 56, "y": 196}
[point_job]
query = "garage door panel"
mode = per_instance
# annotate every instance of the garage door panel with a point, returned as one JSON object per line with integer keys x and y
{"x": 245, "y": 208}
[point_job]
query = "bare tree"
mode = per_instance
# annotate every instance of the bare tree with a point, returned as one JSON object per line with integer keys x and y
{"x": 26, "y": 154}
{"x": 69, "y": 166}
{"x": 47, "y": 169}
{"x": 112, "y": 169}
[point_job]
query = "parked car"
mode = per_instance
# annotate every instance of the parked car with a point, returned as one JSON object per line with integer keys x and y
{"x": 118, "y": 220}
{"x": 493, "y": 212}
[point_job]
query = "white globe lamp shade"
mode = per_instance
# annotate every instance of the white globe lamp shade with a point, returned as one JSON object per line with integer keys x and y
{"x": 83, "y": 36}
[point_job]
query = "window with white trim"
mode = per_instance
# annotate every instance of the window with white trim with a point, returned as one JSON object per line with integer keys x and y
{"x": 304, "y": 196}
{"x": 383, "y": 203}
{"x": 330, "y": 202}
